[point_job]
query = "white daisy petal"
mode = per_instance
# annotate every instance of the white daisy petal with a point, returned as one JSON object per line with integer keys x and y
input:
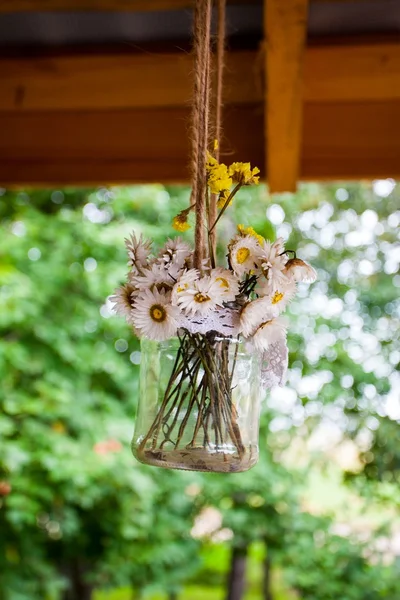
{"x": 158, "y": 276}
{"x": 138, "y": 252}
{"x": 298, "y": 270}
{"x": 227, "y": 282}
{"x": 184, "y": 282}
{"x": 254, "y": 313}
{"x": 273, "y": 261}
{"x": 154, "y": 316}
{"x": 123, "y": 301}
{"x": 268, "y": 333}
{"x": 244, "y": 255}
{"x": 280, "y": 298}
{"x": 176, "y": 252}
{"x": 200, "y": 297}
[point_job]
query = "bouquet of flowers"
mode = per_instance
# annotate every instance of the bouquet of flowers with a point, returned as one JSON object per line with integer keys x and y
{"x": 166, "y": 297}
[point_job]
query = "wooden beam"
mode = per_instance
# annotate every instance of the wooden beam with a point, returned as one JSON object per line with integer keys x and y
{"x": 100, "y": 5}
{"x": 132, "y": 80}
{"x": 342, "y": 140}
{"x": 285, "y": 34}
{"x": 352, "y": 72}
{"x": 140, "y": 145}
{"x": 7, "y": 6}
{"x": 351, "y": 140}
{"x": 115, "y": 80}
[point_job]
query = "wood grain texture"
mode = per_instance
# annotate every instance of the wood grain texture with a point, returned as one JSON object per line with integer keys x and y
{"x": 119, "y": 5}
{"x": 117, "y": 80}
{"x": 352, "y": 72}
{"x": 133, "y": 80}
{"x": 285, "y": 34}
{"x": 345, "y": 140}
{"x": 100, "y": 5}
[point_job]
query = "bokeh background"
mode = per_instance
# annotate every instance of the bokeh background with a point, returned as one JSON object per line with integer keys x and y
{"x": 318, "y": 518}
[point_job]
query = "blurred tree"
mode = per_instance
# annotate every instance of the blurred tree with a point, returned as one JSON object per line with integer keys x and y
{"x": 75, "y": 510}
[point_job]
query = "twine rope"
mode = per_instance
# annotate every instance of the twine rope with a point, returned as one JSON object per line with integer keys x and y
{"x": 218, "y": 113}
{"x": 200, "y": 121}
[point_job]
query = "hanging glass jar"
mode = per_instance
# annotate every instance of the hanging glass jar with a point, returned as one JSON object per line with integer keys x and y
{"x": 199, "y": 404}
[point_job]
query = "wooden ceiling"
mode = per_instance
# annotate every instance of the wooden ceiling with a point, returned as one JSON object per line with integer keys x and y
{"x": 301, "y": 108}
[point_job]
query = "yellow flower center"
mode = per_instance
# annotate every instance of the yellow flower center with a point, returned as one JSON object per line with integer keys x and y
{"x": 182, "y": 288}
{"x": 242, "y": 255}
{"x": 224, "y": 282}
{"x": 277, "y": 297}
{"x": 200, "y": 298}
{"x": 158, "y": 313}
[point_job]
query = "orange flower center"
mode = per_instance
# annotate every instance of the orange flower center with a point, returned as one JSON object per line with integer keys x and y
{"x": 200, "y": 298}
{"x": 277, "y": 297}
{"x": 158, "y": 313}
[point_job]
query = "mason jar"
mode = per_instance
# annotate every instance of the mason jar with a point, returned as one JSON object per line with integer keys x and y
{"x": 199, "y": 404}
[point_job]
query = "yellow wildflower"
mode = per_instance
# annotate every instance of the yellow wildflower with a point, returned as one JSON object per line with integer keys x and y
{"x": 216, "y": 145}
{"x": 219, "y": 179}
{"x": 223, "y": 197}
{"x": 211, "y": 162}
{"x": 243, "y": 231}
{"x": 244, "y": 174}
{"x": 179, "y": 223}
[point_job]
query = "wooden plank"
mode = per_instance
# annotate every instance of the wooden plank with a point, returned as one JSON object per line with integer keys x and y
{"x": 285, "y": 34}
{"x": 351, "y": 140}
{"x": 115, "y": 80}
{"x": 141, "y": 145}
{"x": 346, "y": 140}
{"x": 7, "y": 6}
{"x": 133, "y": 80}
{"x": 363, "y": 72}
{"x": 100, "y": 5}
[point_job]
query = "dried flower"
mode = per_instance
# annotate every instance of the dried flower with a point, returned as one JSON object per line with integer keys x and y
{"x": 253, "y": 314}
{"x": 243, "y": 254}
{"x": 154, "y": 315}
{"x": 298, "y": 270}
{"x": 175, "y": 252}
{"x": 180, "y": 222}
{"x": 219, "y": 179}
{"x": 268, "y": 333}
{"x": 200, "y": 297}
{"x": 227, "y": 282}
{"x": 160, "y": 276}
{"x": 183, "y": 283}
{"x": 273, "y": 261}
{"x": 138, "y": 252}
{"x": 123, "y": 300}
{"x": 243, "y": 173}
{"x": 243, "y": 231}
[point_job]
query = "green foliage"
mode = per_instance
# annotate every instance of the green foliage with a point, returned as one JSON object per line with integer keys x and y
{"x": 71, "y": 493}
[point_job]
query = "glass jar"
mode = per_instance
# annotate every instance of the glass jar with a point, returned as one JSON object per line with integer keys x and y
{"x": 199, "y": 404}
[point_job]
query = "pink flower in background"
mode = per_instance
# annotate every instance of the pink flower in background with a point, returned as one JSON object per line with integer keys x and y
{"x": 107, "y": 446}
{"x": 5, "y": 488}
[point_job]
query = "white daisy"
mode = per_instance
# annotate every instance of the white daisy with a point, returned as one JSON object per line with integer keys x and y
{"x": 228, "y": 283}
{"x": 154, "y": 316}
{"x": 280, "y": 297}
{"x": 184, "y": 282}
{"x": 253, "y": 314}
{"x": 160, "y": 277}
{"x": 273, "y": 261}
{"x": 268, "y": 333}
{"x": 298, "y": 270}
{"x": 123, "y": 301}
{"x": 243, "y": 255}
{"x": 138, "y": 252}
{"x": 175, "y": 251}
{"x": 201, "y": 297}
